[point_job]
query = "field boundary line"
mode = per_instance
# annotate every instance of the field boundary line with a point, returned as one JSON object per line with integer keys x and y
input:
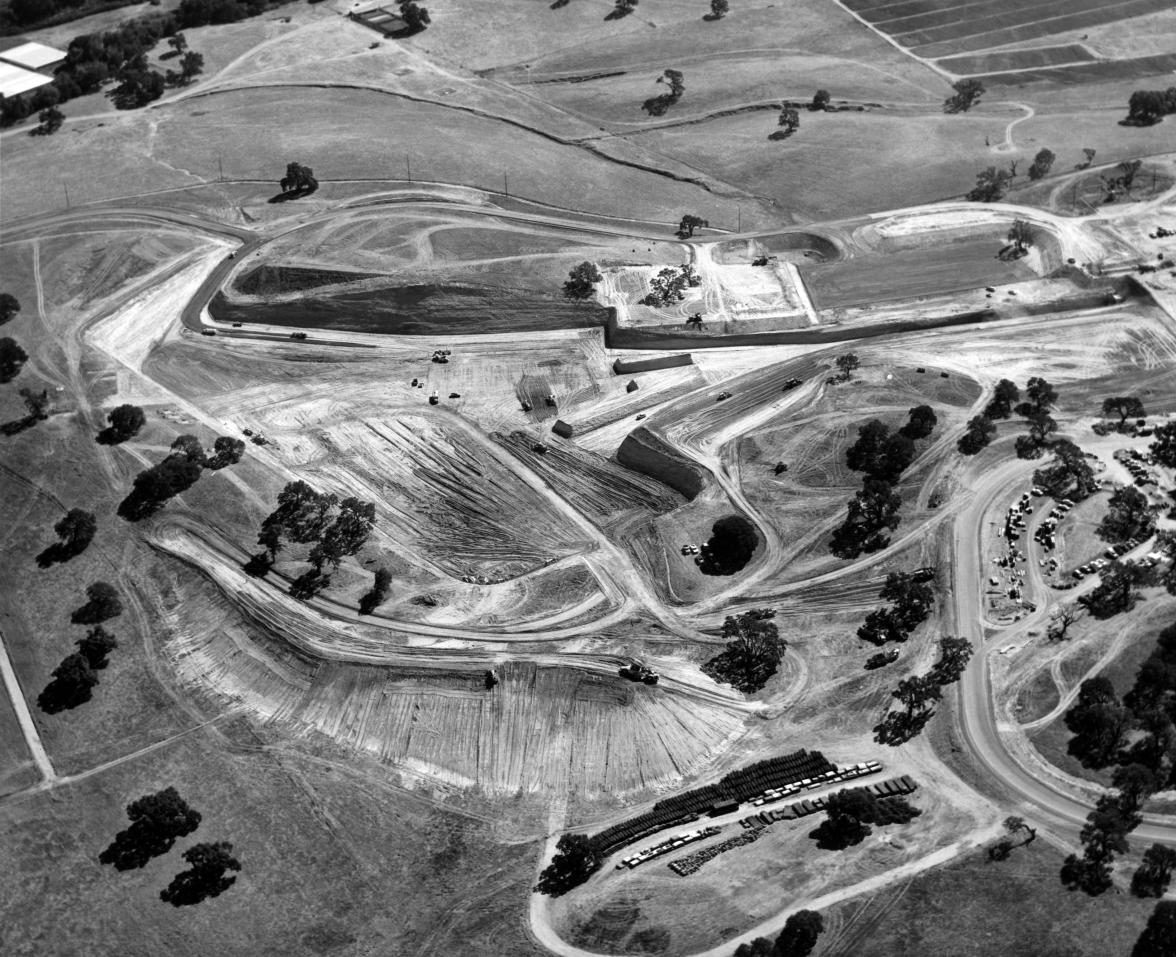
{"x": 929, "y": 64}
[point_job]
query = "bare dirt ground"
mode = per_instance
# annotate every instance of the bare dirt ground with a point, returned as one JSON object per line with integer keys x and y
{"x": 357, "y": 760}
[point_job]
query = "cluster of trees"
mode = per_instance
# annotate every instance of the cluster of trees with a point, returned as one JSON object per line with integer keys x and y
{"x": 799, "y": 937}
{"x": 1129, "y": 515}
{"x": 718, "y": 10}
{"x": 9, "y": 307}
{"x": 12, "y": 359}
{"x": 733, "y": 541}
{"x": 299, "y": 180}
{"x": 991, "y": 185}
{"x": 1148, "y": 107}
{"x": 572, "y": 864}
{"x": 1159, "y": 936}
{"x": 657, "y": 105}
{"x": 121, "y": 54}
{"x": 911, "y": 602}
{"x": 689, "y": 223}
{"x": 177, "y": 473}
{"x": 753, "y": 653}
{"x": 582, "y": 281}
{"x": 157, "y": 822}
{"x": 333, "y": 528}
{"x": 126, "y": 421}
{"x": 965, "y": 95}
{"x": 1042, "y": 164}
{"x": 1115, "y": 816}
{"x": 977, "y": 436}
{"x": 74, "y": 531}
{"x": 919, "y": 693}
{"x": 849, "y": 814}
{"x": 75, "y": 678}
{"x": 670, "y": 284}
{"x": 1163, "y": 446}
{"x": 416, "y": 18}
{"x": 1118, "y": 588}
{"x": 883, "y": 457}
{"x": 622, "y": 8}
{"x": 1125, "y": 407}
{"x": 37, "y": 409}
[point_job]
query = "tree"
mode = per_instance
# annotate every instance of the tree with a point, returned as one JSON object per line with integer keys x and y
{"x": 191, "y": 66}
{"x": 346, "y": 535}
{"x": 301, "y": 516}
{"x": 102, "y": 604}
{"x": 954, "y": 655}
{"x": 51, "y": 119}
{"x": 847, "y": 817}
{"x": 415, "y": 17}
{"x": 1136, "y": 783}
{"x": 1003, "y": 397}
{"x": 299, "y": 179}
{"x": 137, "y": 86}
{"x": 979, "y": 434}
{"x": 581, "y": 281}
{"x": 37, "y": 404}
{"x": 179, "y": 43}
{"x": 967, "y": 94}
{"x": 1163, "y": 446}
{"x": 820, "y": 100}
{"x": 1098, "y": 722}
{"x": 1116, "y": 591}
{"x": 622, "y": 8}
{"x": 912, "y": 599}
{"x": 154, "y": 486}
{"x": 226, "y": 451}
{"x": 1124, "y": 406}
{"x": 917, "y": 693}
{"x": 719, "y": 9}
{"x": 1032, "y": 445}
{"x": 657, "y": 105}
{"x": 1020, "y": 235}
{"x": 205, "y": 878}
{"x": 870, "y": 448}
{"x": 921, "y": 422}
{"x": 97, "y": 644}
{"x": 125, "y": 422}
{"x": 1041, "y": 397}
{"x": 871, "y": 513}
{"x": 1067, "y": 615}
{"x": 752, "y": 654}
{"x": 789, "y": 119}
{"x": 189, "y": 446}
{"x": 1154, "y": 873}
{"x": 1159, "y": 935}
{"x": 9, "y": 307}
{"x": 157, "y": 821}
{"x": 12, "y": 359}
{"x": 1042, "y": 163}
{"x": 846, "y": 365}
{"x": 1146, "y": 107}
{"x": 309, "y": 583}
{"x": 1128, "y": 516}
{"x": 575, "y": 860}
{"x": 76, "y": 531}
{"x": 690, "y": 223}
{"x": 1069, "y": 474}
{"x": 800, "y": 934}
{"x": 372, "y": 600}
{"x": 1014, "y": 825}
{"x": 71, "y": 686}
{"x": 991, "y": 184}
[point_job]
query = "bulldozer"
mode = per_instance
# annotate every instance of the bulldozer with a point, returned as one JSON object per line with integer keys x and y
{"x": 636, "y": 671}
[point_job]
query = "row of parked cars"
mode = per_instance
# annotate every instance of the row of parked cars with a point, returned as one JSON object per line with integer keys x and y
{"x": 670, "y": 844}
{"x": 809, "y": 784}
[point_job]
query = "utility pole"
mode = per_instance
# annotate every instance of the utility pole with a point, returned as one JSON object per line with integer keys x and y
{"x": 408, "y": 167}
{"x": 220, "y": 165}
{"x": 739, "y": 228}
{"x": 505, "y": 184}
{"x": 66, "y": 188}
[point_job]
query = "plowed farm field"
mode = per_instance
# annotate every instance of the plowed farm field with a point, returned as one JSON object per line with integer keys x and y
{"x": 935, "y": 28}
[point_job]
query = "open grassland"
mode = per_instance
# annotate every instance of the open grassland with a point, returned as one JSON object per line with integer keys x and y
{"x": 313, "y": 836}
{"x": 974, "y": 908}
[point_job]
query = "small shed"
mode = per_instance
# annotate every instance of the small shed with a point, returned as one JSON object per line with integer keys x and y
{"x": 562, "y": 429}
{"x": 632, "y": 386}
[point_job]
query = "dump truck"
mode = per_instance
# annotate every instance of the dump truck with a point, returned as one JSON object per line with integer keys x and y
{"x": 636, "y": 671}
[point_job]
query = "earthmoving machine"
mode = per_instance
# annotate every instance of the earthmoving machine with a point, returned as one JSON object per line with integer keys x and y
{"x": 550, "y": 400}
{"x": 636, "y": 671}
{"x": 433, "y": 399}
{"x": 440, "y": 356}
{"x": 881, "y": 659}
{"x": 722, "y": 395}
{"x": 792, "y": 384}
{"x": 925, "y": 574}
{"x": 299, "y": 336}
{"x": 526, "y": 405}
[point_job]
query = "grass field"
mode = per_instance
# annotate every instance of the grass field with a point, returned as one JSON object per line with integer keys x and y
{"x": 976, "y": 908}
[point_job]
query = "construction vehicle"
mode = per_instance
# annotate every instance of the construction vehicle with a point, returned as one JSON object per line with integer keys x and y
{"x": 792, "y": 384}
{"x": 550, "y": 400}
{"x": 433, "y": 399}
{"x": 881, "y": 660}
{"x": 636, "y": 671}
{"x": 925, "y": 574}
{"x": 526, "y": 405}
{"x": 539, "y": 447}
{"x": 298, "y": 335}
{"x": 722, "y": 395}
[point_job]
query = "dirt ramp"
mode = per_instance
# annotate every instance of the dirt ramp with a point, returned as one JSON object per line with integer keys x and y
{"x": 645, "y": 452}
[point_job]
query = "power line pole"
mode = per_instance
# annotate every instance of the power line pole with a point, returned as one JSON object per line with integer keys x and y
{"x": 408, "y": 167}
{"x": 739, "y": 228}
{"x": 506, "y": 184}
{"x": 66, "y": 188}
{"x": 220, "y": 165}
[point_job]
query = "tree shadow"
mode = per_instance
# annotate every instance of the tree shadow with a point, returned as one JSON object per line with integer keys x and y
{"x": 259, "y": 565}
{"x": 109, "y": 436}
{"x": 780, "y": 134}
{"x": 59, "y": 696}
{"x": 831, "y": 838}
{"x": 16, "y": 426}
{"x": 58, "y": 552}
{"x": 134, "y": 847}
{"x": 290, "y": 194}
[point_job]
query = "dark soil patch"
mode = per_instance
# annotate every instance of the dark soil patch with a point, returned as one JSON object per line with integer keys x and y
{"x": 418, "y": 310}
{"x": 268, "y": 280}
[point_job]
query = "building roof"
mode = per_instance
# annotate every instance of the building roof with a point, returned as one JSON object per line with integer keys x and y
{"x": 33, "y": 56}
{"x": 14, "y": 80}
